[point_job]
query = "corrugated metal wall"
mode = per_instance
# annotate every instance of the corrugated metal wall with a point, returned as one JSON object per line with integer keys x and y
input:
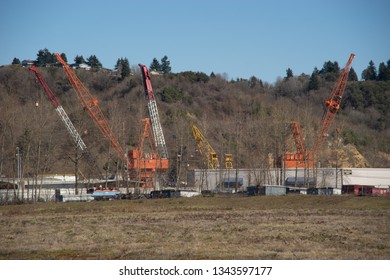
{"x": 207, "y": 179}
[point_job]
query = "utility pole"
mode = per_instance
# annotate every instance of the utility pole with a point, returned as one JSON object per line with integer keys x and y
{"x": 19, "y": 170}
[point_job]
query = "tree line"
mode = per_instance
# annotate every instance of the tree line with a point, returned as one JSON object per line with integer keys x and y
{"x": 46, "y": 58}
{"x": 329, "y": 71}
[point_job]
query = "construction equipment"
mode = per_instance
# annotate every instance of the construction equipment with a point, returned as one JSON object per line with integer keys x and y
{"x": 228, "y": 161}
{"x": 306, "y": 159}
{"x": 91, "y": 104}
{"x": 205, "y": 148}
{"x": 153, "y": 113}
{"x": 302, "y": 158}
{"x": 145, "y": 163}
{"x": 143, "y": 166}
{"x": 208, "y": 152}
{"x": 60, "y": 110}
{"x": 333, "y": 103}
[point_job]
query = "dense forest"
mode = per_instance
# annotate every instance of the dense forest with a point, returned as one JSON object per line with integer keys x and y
{"x": 244, "y": 117}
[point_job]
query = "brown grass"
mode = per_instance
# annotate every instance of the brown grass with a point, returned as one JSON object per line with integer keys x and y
{"x": 288, "y": 227}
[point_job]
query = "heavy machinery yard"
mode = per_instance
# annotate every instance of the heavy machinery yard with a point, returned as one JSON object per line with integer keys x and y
{"x": 147, "y": 167}
{"x": 287, "y": 208}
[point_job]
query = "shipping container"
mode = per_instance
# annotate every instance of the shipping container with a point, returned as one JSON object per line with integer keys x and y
{"x": 380, "y": 191}
{"x": 169, "y": 193}
{"x": 348, "y": 189}
{"x": 272, "y": 190}
{"x": 312, "y": 191}
{"x": 325, "y": 191}
{"x": 301, "y": 181}
{"x": 363, "y": 190}
{"x": 252, "y": 190}
{"x": 233, "y": 182}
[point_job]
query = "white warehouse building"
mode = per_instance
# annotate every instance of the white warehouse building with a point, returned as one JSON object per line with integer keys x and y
{"x": 231, "y": 180}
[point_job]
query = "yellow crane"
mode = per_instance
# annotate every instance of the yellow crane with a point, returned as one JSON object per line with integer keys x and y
{"x": 208, "y": 152}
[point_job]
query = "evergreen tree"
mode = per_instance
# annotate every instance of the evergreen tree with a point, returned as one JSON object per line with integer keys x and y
{"x": 16, "y": 61}
{"x": 44, "y": 57}
{"x": 79, "y": 59}
{"x": 384, "y": 71}
{"x": 314, "y": 83}
{"x": 370, "y": 72}
{"x": 289, "y": 73}
{"x": 330, "y": 71}
{"x": 155, "y": 65}
{"x": 94, "y": 62}
{"x": 352, "y": 76}
{"x": 123, "y": 66}
{"x": 165, "y": 65}
{"x": 252, "y": 81}
{"x": 63, "y": 56}
{"x": 387, "y": 75}
{"x": 330, "y": 67}
{"x": 118, "y": 64}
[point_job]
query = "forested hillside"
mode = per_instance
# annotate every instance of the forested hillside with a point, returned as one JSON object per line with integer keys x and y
{"x": 246, "y": 118}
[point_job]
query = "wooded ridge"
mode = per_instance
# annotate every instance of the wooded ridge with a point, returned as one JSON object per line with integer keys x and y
{"x": 246, "y": 118}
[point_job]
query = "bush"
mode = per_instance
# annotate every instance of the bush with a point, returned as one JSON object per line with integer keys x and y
{"x": 195, "y": 76}
{"x": 171, "y": 95}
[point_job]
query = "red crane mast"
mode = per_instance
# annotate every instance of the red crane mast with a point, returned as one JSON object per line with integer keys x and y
{"x": 60, "y": 111}
{"x": 153, "y": 113}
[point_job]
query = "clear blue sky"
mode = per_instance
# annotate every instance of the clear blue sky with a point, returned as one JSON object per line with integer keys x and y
{"x": 238, "y": 37}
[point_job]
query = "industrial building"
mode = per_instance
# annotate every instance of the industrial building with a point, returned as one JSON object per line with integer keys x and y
{"x": 238, "y": 180}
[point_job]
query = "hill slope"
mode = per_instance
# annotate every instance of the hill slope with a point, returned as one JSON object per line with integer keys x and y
{"x": 244, "y": 117}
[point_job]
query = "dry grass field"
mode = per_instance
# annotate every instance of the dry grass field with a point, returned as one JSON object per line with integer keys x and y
{"x": 288, "y": 227}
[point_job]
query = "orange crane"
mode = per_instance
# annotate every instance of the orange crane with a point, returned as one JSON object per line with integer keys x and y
{"x": 60, "y": 111}
{"x": 143, "y": 164}
{"x": 333, "y": 103}
{"x": 91, "y": 104}
{"x": 302, "y": 158}
{"x": 146, "y": 164}
{"x": 306, "y": 159}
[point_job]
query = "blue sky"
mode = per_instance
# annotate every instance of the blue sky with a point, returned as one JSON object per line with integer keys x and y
{"x": 240, "y": 38}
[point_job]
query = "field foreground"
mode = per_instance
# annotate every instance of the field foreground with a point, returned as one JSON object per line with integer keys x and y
{"x": 288, "y": 227}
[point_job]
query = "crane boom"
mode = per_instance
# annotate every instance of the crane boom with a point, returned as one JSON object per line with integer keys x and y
{"x": 91, "y": 104}
{"x": 302, "y": 158}
{"x": 306, "y": 159}
{"x": 153, "y": 113}
{"x": 333, "y": 102}
{"x": 297, "y": 135}
{"x": 205, "y": 148}
{"x": 60, "y": 111}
